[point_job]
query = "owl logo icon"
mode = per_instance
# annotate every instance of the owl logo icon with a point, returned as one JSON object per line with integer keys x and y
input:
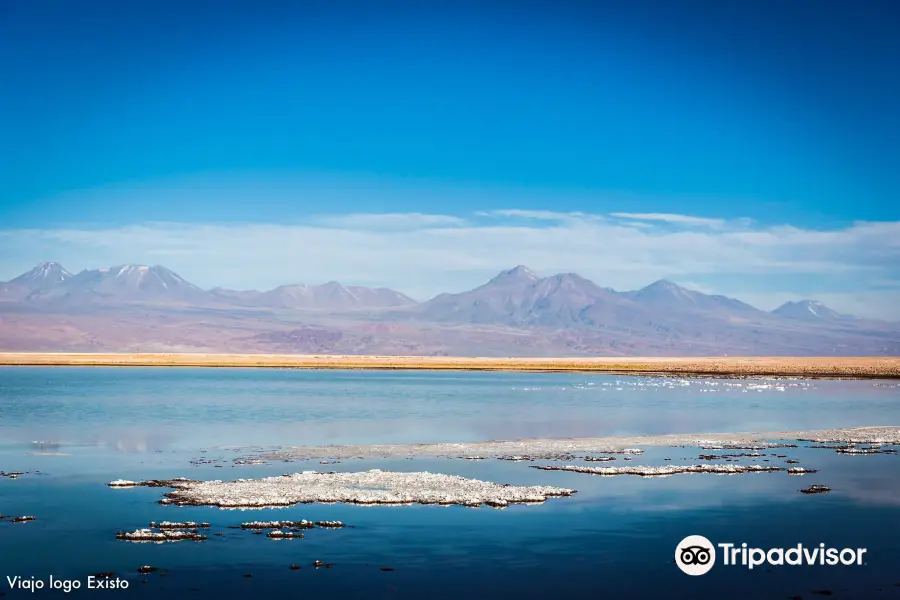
{"x": 695, "y": 555}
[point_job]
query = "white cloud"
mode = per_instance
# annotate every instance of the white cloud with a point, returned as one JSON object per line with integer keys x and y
{"x": 540, "y": 215}
{"x": 387, "y": 221}
{"x": 852, "y": 268}
{"x": 670, "y": 218}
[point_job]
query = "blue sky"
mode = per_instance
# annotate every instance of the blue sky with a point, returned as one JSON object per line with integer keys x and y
{"x": 771, "y": 126}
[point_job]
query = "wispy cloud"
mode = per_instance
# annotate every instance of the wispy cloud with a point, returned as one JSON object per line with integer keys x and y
{"x": 424, "y": 254}
{"x": 387, "y": 221}
{"x": 540, "y": 215}
{"x": 670, "y": 218}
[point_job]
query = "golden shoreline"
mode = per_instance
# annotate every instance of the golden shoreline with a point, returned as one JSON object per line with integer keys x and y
{"x": 819, "y": 367}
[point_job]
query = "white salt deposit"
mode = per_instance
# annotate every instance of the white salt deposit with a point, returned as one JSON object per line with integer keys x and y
{"x": 329, "y": 524}
{"x": 281, "y": 535}
{"x": 645, "y": 471}
{"x": 126, "y": 483}
{"x": 176, "y": 525}
{"x": 304, "y": 524}
{"x": 857, "y": 435}
{"x": 541, "y": 448}
{"x": 148, "y": 535}
{"x": 368, "y": 487}
{"x": 800, "y": 471}
{"x": 24, "y": 519}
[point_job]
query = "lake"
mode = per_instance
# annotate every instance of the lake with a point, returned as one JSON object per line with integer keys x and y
{"x": 615, "y": 537}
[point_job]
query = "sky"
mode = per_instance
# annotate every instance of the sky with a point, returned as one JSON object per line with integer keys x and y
{"x": 748, "y": 148}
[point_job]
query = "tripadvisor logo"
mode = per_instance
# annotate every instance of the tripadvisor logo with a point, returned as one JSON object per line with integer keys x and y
{"x": 696, "y": 555}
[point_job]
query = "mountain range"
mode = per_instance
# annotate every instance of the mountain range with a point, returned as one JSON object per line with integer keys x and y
{"x": 137, "y": 308}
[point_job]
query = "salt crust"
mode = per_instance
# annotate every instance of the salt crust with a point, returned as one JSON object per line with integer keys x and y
{"x": 552, "y": 448}
{"x": 367, "y": 487}
{"x": 645, "y": 471}
{"x": 165, "y": 535}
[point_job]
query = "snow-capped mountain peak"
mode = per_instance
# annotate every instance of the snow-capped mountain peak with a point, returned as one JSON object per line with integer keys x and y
{"x": 331, "y": 295}
{"x": 665, "y": 292}
{"x": 43, "y": 276}
{"x": 127, "y": 269}
{"x": 146, "y": 278}
{"x": 127, "y": 282}
{"x": 519, "y": 274}
{"x": 810, "y": 310}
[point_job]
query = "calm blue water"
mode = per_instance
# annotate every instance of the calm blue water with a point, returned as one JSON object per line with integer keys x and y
{"x": 615, "y": 538}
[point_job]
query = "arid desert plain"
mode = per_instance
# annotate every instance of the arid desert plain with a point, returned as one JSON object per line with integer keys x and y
{"x": 866, "y": 367}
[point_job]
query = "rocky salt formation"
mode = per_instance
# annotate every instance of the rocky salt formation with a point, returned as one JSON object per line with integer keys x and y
{"x": 329, "y": 524}
{"x": 143, "y": 570}
{"x": 174, "y": 525}
{"x": 284, "y": 535}
{"x": 801, "y": 471}
{"x": 541, "y": 448}
{"x": 197, "y": 462}
{"x": 855, "y": 448}
{"x": 166, "y": 535}
{"x": 727, "y": 456}
{"x": 756, "y": 446}
{"x": 816, "y": 489}
{"x": 24, "y": 519}
{"x": 543, "y": 456}
{"x": 599, "y": 458}
{"x": 367, "y": 487}
{"x": 304, "y": 524}
{"x": 123, "y": 483}
{"x": 160, "y": 483}
{"x": 857, "y": 435}
{"x": 642, "y": 471}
